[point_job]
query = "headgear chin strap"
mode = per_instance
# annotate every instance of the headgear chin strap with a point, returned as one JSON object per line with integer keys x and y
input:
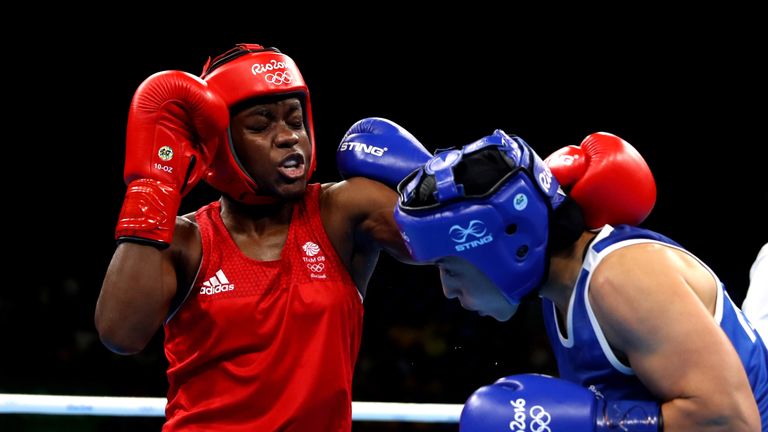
{"x": 500, "y": 226}
{"x": 246, "y": 72}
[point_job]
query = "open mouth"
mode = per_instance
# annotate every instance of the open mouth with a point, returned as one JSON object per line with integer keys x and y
{"x": 292, "y": 166}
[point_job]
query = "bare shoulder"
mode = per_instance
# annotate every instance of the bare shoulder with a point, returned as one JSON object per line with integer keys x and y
{"x": 636, "y": 282}
{"x": 186, "y": 226}
{"x": 358, "y": 215}
{"x": 641, "y": 270}
{"x": 187, "y": 248}
{"x": 351, "y": 186}
{"x": 630, "y": 265}
{"x": 629, "y": 275}
{"x": 357, "y": 196}
{"x": 325, "y": 186}
{"x": 329, "y": 195}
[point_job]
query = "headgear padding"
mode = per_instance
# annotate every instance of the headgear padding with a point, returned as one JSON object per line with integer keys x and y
{"x": 246, "y": 72}
{"x": 488, "y": 203}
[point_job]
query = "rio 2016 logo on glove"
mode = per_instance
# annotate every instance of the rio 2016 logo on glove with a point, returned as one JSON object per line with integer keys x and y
{"x": 540, "y": 418}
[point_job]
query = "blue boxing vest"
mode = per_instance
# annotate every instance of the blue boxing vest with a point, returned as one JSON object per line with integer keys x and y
{"x": 584, "y": 357}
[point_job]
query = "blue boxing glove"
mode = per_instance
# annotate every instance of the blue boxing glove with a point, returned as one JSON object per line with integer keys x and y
{"x": 381, "y": 150}
{"x": 539, "y": 403}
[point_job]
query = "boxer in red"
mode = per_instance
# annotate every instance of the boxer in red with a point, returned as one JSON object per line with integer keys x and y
{"x": 259, "y": 293}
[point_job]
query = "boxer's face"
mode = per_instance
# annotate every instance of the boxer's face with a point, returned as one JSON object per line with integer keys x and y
{"x": 272, "y": 144}
{"x": 474, "y": 290}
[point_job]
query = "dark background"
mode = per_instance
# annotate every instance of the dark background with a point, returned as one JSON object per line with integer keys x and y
{"x": 689, "y": 93}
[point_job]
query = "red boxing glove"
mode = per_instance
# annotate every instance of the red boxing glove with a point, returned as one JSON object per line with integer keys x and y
{"x": 174, "y": 127}
{"x": 608, "y": 178}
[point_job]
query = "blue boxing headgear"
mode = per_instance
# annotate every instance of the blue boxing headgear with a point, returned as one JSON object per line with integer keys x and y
{"x": 489, "y": 203}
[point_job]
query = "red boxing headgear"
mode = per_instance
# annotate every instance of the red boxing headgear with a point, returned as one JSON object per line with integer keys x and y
{"x": 245, "y": 72}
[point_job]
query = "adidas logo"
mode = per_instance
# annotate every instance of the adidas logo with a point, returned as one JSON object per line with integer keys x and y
{"x": 216, "y": 284}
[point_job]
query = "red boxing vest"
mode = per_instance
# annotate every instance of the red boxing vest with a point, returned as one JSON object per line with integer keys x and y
{"x": 265, "y": 345}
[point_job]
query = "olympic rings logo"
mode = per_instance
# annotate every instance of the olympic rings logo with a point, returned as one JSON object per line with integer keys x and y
{"x": 316, "y": 268}
{"x": 539, "y": 419}
{"x": 279, "y": 78}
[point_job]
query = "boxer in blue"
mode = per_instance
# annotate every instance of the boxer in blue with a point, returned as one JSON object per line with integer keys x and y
{"x": 645, "y": 335}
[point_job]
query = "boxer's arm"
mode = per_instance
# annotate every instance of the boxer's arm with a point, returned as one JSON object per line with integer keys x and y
{"x": 140, "y": 285}
{"x": 376, "y": 149}
{"x": 656, "y": 320}
{"x": 358, "y": 215}
{"x": 374, "y": 155}
{"x": 174, "y": 125}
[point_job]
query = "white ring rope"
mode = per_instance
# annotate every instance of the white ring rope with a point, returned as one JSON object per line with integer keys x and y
{"x": 155, "y": 407}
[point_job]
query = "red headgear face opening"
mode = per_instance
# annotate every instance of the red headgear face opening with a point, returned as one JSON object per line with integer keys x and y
{"x": 245, "y": 72}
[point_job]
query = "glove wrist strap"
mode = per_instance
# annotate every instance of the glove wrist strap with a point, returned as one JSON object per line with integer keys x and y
{"x": 149, "y": 213}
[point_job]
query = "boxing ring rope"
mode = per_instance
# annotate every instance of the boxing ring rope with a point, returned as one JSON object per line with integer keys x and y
{"x": 155, "y": 407}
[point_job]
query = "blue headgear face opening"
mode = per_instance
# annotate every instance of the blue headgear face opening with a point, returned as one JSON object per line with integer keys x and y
{"x": 488, "y": 203}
